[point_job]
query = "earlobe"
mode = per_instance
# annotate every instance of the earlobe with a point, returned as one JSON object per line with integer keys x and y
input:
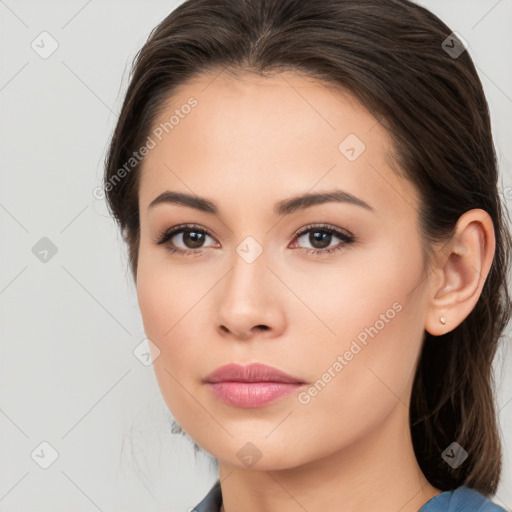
{"x": 463, "y": 266}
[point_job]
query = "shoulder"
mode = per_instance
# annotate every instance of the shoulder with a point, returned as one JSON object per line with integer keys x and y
{"x": 212, "y": 501}
{"x": 462, "y": 499}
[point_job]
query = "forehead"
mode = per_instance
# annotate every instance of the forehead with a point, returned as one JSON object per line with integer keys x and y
{"x": 250, "y": 136}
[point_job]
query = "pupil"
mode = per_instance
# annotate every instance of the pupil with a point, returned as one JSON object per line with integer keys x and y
{"x": 323, "y": 238}
{"x": 196, "y": 238}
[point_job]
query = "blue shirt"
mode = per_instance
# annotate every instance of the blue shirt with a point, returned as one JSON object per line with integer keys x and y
{"x": 462, "y": 499}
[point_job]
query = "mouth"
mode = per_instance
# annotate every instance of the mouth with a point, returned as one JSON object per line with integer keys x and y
{"x": 255, "y": 372}
{"x": 251, "y": 394}
{"x": 250, "y": 386}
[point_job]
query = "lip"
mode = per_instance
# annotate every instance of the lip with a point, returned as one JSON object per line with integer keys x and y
{"x": 255, "y": 372}
{"x": 254, "y": 385}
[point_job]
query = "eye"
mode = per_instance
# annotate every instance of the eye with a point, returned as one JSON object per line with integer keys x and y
{"x": 320, "y": 237}
{"x": 192, "y": 237}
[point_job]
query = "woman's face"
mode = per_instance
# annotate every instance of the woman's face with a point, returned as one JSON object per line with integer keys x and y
{"x": 348, "y": 324}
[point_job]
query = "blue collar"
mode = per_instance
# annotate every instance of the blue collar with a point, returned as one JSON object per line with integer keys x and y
{"x": 462, "y": 499}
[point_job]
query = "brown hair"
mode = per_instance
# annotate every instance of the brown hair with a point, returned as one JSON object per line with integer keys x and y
{"x": 391, "y": 55}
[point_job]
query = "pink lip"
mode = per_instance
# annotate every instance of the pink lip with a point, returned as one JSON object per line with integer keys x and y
{"x": 254, "y": 385}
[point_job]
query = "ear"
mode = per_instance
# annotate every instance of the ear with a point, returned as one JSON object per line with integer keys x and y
{"x": 464, "y": 262}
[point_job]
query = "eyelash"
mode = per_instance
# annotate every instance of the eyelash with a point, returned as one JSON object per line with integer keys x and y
{"x": 166, "y": 235}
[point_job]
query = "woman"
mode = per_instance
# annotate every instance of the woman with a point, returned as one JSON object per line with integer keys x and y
{"x": 308, "y": 192}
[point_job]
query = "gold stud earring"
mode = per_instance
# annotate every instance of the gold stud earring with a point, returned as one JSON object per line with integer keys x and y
{"x": 442, "y": 319}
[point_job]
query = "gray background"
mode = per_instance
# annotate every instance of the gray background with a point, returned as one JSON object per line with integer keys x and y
{"x": 68, "y": 326}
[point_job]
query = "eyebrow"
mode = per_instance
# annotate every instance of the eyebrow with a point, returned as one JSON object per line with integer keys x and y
{"x": 281, "y": 208}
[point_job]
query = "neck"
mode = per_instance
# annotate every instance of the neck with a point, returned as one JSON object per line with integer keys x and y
{"x": 378, "y": 468}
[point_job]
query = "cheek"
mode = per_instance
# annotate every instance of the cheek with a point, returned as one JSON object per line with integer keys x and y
{"x": 366, "y": 372}
{"x": 372, "y": 295}
{"x": 172, "y": 300}
{"x": 378, "y": 323}
{"x": 164, "y": 301}
{"x": 163, "y": 311}
{"x": 166, "y": 294}
{"x": 155, "y": 306}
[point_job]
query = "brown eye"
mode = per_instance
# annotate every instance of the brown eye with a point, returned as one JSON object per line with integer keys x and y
{"x": 320, "y": 238}
{"x": 192, "y": 239}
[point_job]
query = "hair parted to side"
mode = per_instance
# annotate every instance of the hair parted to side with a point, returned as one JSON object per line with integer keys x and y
{"x": 389, "y": 55}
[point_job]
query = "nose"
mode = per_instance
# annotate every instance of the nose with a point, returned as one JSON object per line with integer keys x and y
{"x": 250, "y": 301}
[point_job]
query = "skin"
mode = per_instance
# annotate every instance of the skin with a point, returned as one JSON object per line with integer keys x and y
{"x": 249, "y": 143}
